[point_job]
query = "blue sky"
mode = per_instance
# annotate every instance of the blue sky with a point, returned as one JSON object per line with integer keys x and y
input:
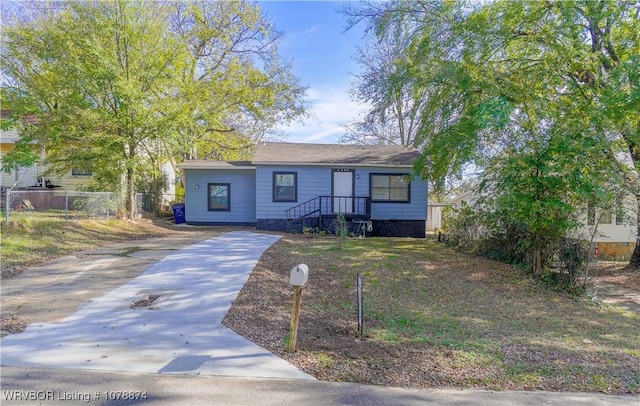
{"x": 322, "y": 54}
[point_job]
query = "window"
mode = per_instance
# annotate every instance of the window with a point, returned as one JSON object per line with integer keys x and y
{"x": 390, "y": 188}
{"x": 81, "y": 171}
{"x": 603, "y": 217}
{"x": 219, "y": 197}
{"x": 620, "y": 215}
{"x": 285, "y": 187}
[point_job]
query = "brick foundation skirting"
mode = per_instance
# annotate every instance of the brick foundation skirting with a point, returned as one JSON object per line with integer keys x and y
{"x": 399, "y": 228}
{"x": 615, "y": 251}
{"x": 271, "y": 224}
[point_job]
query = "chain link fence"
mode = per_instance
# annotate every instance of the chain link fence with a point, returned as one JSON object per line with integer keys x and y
{"x": 73, "y": 205}
{"x": 67, "y": 204}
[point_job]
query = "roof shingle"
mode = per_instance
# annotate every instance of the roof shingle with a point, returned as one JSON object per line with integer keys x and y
{"x": 332, "y": 154}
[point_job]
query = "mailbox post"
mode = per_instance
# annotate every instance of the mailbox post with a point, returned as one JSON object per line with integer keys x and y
{"x": 297, "y": 278}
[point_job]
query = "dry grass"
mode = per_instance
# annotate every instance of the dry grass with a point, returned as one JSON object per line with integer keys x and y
{"x": 37, "y": 237}
{"x": 434, "y": 318}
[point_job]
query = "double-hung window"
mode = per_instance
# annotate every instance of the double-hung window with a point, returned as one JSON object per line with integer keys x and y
{"x": 285, "y": 186}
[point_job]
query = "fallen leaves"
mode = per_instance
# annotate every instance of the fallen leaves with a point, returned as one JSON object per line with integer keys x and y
{"x": 433, "y": 318}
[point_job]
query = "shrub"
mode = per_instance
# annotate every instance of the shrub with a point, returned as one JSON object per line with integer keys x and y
{"x": 341, "y": 229}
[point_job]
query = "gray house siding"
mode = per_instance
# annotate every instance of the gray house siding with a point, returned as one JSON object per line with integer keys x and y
{"x": 316, "y": 181}
{"x": 242, "y": 196}
{"x": 312, "y": 181}
{"x": 416, "y": 209}
{"x": 392, "y": 219}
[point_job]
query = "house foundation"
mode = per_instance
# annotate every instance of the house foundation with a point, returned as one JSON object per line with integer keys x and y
{"x": 381, "y": 228}
{"x": 399, "y": 228}
{"x": 615, "y": 251}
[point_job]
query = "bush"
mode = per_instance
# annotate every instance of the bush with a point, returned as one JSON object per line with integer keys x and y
{"x": 568, "y": 270}
{"x": 461, "y": 227}
{"x": 564, "y": 260}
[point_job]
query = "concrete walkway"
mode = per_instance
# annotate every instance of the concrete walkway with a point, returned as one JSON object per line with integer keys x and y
{"x": 180, "y": 331}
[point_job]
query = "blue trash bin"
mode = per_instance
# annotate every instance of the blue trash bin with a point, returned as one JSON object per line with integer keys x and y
{"x": 178, "y": 213}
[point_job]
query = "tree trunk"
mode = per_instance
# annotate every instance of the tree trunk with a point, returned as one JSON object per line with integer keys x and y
{"x": 635, "y": 257}
{"x": 537, "y": 257}
{"x": 537, "y": 262}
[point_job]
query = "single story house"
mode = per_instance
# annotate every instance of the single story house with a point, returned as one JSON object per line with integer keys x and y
{"x": 290, "y": 186}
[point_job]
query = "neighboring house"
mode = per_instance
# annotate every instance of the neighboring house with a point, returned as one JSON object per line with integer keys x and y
{"x": 33, "y": 177}
{"x": 289, "y": 186}
{"x": 616, "y": 232}
{"x": 469, "y": 198}
{"x": 21, "y": 176}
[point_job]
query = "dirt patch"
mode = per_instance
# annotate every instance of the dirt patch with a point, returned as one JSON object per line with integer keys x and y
{"x": 434, "y": 318}
{"x": 11, "y": 324}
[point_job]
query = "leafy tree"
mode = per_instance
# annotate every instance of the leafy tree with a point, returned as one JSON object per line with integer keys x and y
{"x": 556, "y": 81}
{"x": 120, "y": 87}
{"x": 538, "y": 190}
{"x": 395, "y": 106}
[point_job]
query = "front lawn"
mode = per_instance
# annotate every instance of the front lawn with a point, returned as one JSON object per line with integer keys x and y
{"x": 33, "y": 238}
{"x": 434, "y": 317}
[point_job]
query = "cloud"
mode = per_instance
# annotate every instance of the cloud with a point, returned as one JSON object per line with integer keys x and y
{"x": 331, "y": 109}
{"x": 312, "y": 29}
{"x": 330, "y": 135}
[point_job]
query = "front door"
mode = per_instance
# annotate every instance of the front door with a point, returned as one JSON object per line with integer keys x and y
{"x": 343, "y": 192}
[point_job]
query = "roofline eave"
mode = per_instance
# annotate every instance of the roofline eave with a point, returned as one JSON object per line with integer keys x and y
{"x": 333, "y": 164}
{"x": 233, "y": 168}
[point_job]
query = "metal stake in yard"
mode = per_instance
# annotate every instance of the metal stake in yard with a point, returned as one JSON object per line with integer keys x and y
{"x": 360, "y": 305}
{"x": 297, "y": 278}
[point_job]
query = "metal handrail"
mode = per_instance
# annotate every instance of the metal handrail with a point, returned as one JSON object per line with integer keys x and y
{"x": 331, "y": 205}
{"x": 307, "y": 208}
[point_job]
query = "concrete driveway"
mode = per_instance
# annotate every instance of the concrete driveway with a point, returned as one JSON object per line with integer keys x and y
{"x": 166, "y": 320}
